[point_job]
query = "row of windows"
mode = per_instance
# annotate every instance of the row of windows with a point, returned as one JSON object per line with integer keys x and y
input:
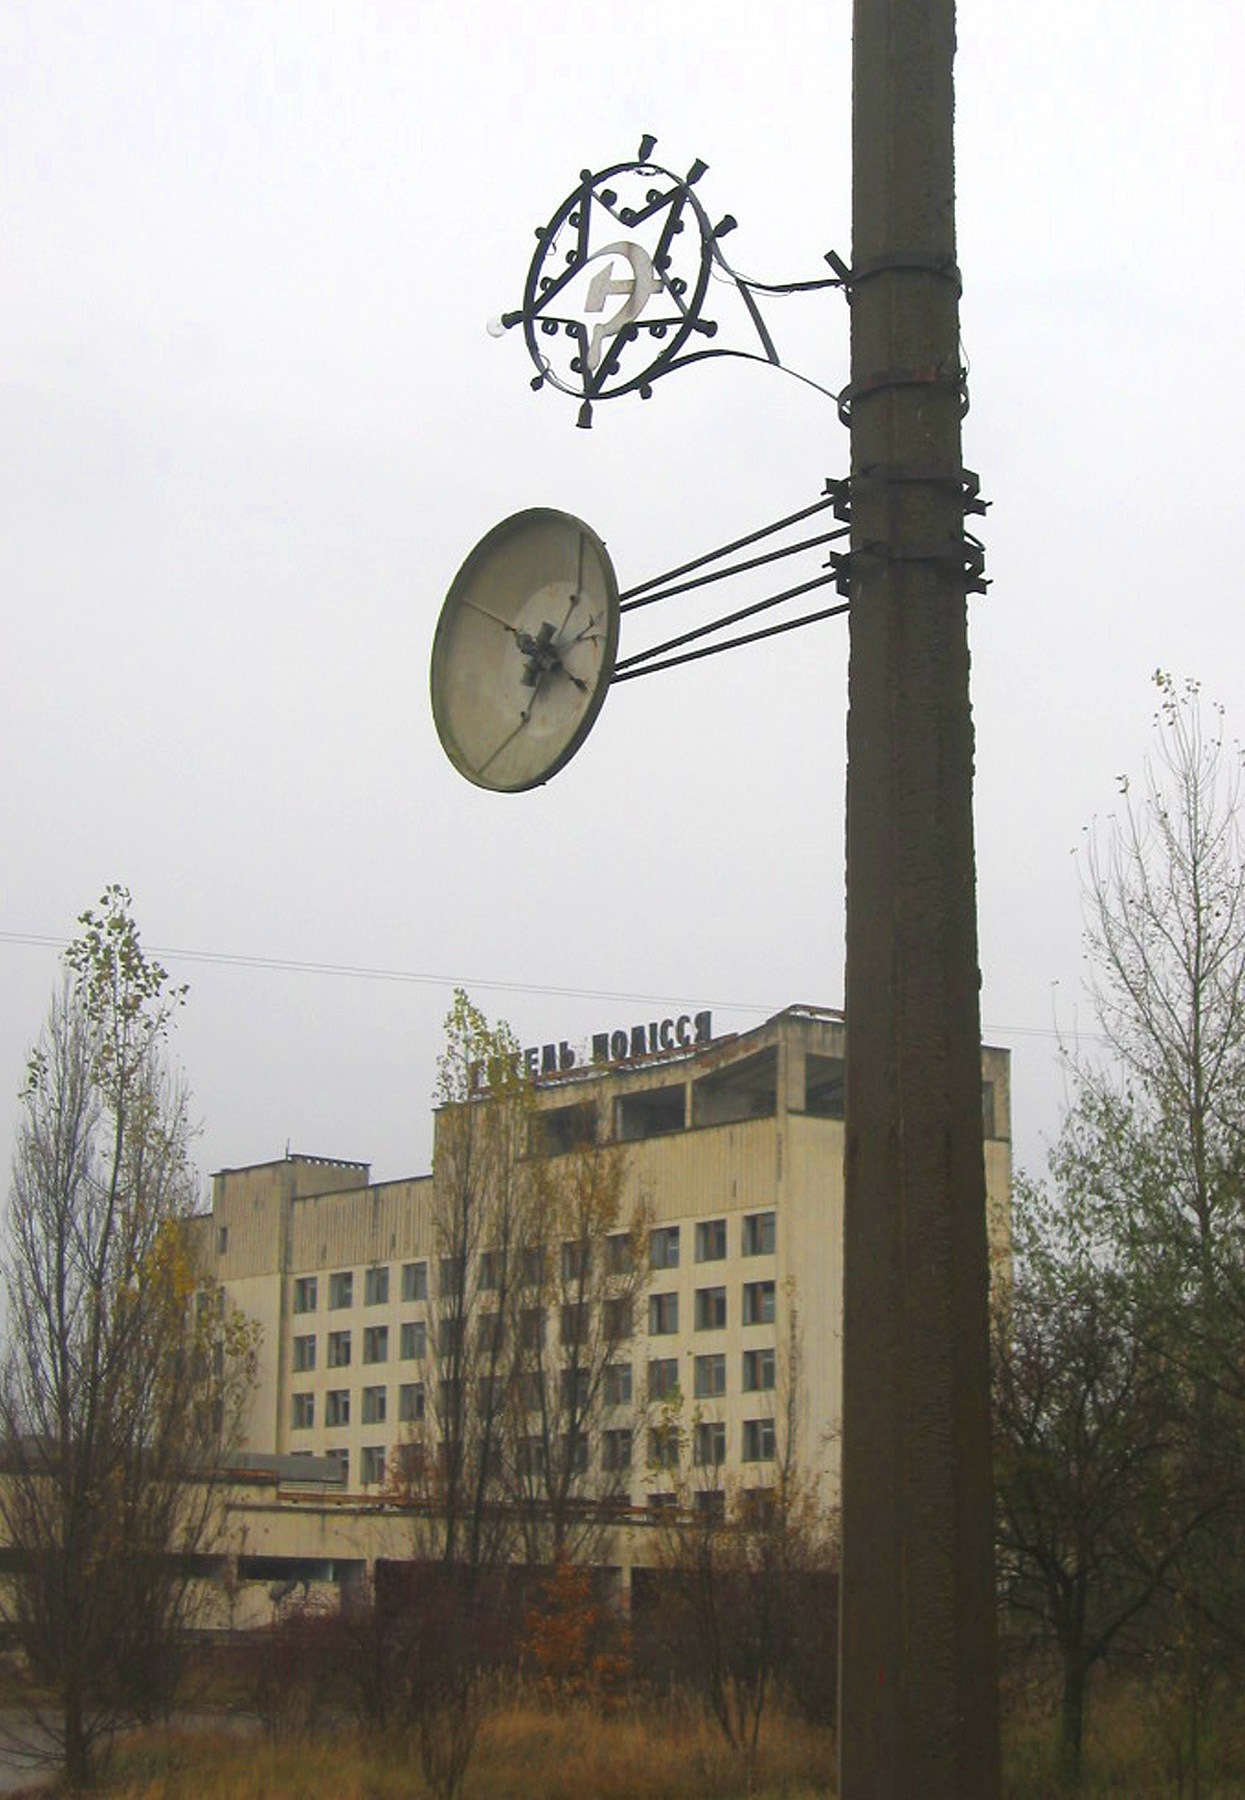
{"x": 710, "y": 1308}
{"x": 711, "y": 1246}
{"x": 708, "y": 1445}
{"x": 757, "y": 1240}
{"x": 664, "y": 1448}
{"x": 573, "y": 1322}
{"x": 375, "y": 1287}
{"x": 709, "y": 1383}
{"x": 374, "y": 1409}
{"x": 616, "y": 1458}
{"x": 373, "y": 1462}
{"x": 339, "y": 1347}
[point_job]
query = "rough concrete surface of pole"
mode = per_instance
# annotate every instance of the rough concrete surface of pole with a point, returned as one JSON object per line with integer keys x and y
{"x": 919, "y": 1711}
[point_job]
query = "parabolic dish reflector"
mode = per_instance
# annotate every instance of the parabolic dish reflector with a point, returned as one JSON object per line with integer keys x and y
{"x": 524, "y": 650}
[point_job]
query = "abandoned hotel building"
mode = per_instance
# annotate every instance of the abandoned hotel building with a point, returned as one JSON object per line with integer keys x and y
{"x": 733, "y": 1147}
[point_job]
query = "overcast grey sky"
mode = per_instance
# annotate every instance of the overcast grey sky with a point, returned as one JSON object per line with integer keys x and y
{"x": 253, "y": 424}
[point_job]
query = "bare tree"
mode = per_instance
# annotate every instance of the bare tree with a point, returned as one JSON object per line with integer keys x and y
{"x": 577, "y": 1413}
{"x": 1165, "y": 936}
{"x": 1119, "y": 1384}
{"x": 119, "y": 1392}
{"x": 746, "y": 1569}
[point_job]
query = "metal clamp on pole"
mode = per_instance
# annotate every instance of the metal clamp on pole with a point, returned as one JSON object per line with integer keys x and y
{"x": 902, "y": 378}
{"x": 968, "y": 558}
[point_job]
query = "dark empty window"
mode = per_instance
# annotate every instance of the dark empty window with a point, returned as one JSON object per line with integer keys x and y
{"x": 651, "y": 1113}
{"x": 742, "y": 1090}
{"x": 823, "y": 1086}
{"x": 557, "y": 1129}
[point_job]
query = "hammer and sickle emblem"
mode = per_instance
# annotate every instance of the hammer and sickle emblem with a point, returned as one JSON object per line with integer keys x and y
{"x": 639, "y": 287}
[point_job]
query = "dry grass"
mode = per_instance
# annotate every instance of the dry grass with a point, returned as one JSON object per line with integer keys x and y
{"x": 652, "y": 1751}
{"x": 525, "y": 1752}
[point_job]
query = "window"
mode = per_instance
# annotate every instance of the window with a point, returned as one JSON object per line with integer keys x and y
{"x": 617, "y": 1385}
{"x": 663, "y": 1378}
{"x": 304, "y": 1354}
{"x": 711, "y": 1240}
{"x": 710, "y": 1377}
{"x": 650, "y": 1113}
{"x": 561, "y": 1128}
{"x": 304, "y": 1412}
{"x": 741, "y": 1090}
{"x": 411, "y": 1402}
{"x": 710, "y": 1444}
{"x": 374, "y": 1405}
{"x": 490, "y": 1391}
{"x": 988, "y": 1128}
{"x": 452, "y": 1277}
{"x": 662, "y": 1503}
{"x": 337, "y": 1406}
{"x": 663, "y": 1247}
{"x": 573, "y": 1453}
{"x": 531, "y": 1328}
{"x": 824, "y": 1086}
{"x": 222, "y": 1240}
{"x": 574, "y": 1323}
{"x": 490, "y": 1332}
{"x": 341, "y": 1290}
{"x": 305, "y": 1294}
{"x": 758, "y": 1440}
{"x": 758, "y": 1303}
{"x": 449, "y": 1337}
{"x": 492, "y": 1270}
{"x": 759, "y": 1234}
{"x": 616, "y": 1316}
{"x": 576, "y": 1259}
{"x": 616, "y": 1450}
{"x": 414, "y": 1281}
{"x": 758, "y": 1508}
{"x": 372, "y": 1464}
{"x": 619, "y": 1253}
{"x": 339, "y": 1350}
{"x": 376, "y": 1344}
{"x": 710, "y": 1308}
{"x": 663, "y": 1447}
{"x": 531, "y": 1391}
{"x": 376, "y": 1287}
{"x": 449, "y": 1396}
{"x": 342, "y": 1459}
{"x": 663, "y": 1314}
{"x": 532, "y": 1457}
{"x": 758, "y": 1371}
{"x": 573, "y": 1387}
{"x": 413, "y": 1342}
{"x": 711, "y": 1502}
{"x": 532, "y": 1266}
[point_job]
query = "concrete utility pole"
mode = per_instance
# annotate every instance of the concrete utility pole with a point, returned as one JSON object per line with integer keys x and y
{"x": 918, "y": 1701}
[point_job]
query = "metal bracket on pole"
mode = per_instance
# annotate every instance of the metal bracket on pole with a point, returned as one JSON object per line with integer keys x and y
{"x": 920, "y": 262}
{"x": 899, "y": 378}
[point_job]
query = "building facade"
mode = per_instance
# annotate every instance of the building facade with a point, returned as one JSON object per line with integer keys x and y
{"x": 731, "y": 1149}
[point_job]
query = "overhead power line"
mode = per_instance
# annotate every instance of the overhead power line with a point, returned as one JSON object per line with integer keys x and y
{"x": 287, "y": 965}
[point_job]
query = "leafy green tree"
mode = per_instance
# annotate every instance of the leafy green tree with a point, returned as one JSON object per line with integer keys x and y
{"x": 481, "y": 1210}
{"x": 123, "y": 1377}
{"x": 1089, "y": 1424}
